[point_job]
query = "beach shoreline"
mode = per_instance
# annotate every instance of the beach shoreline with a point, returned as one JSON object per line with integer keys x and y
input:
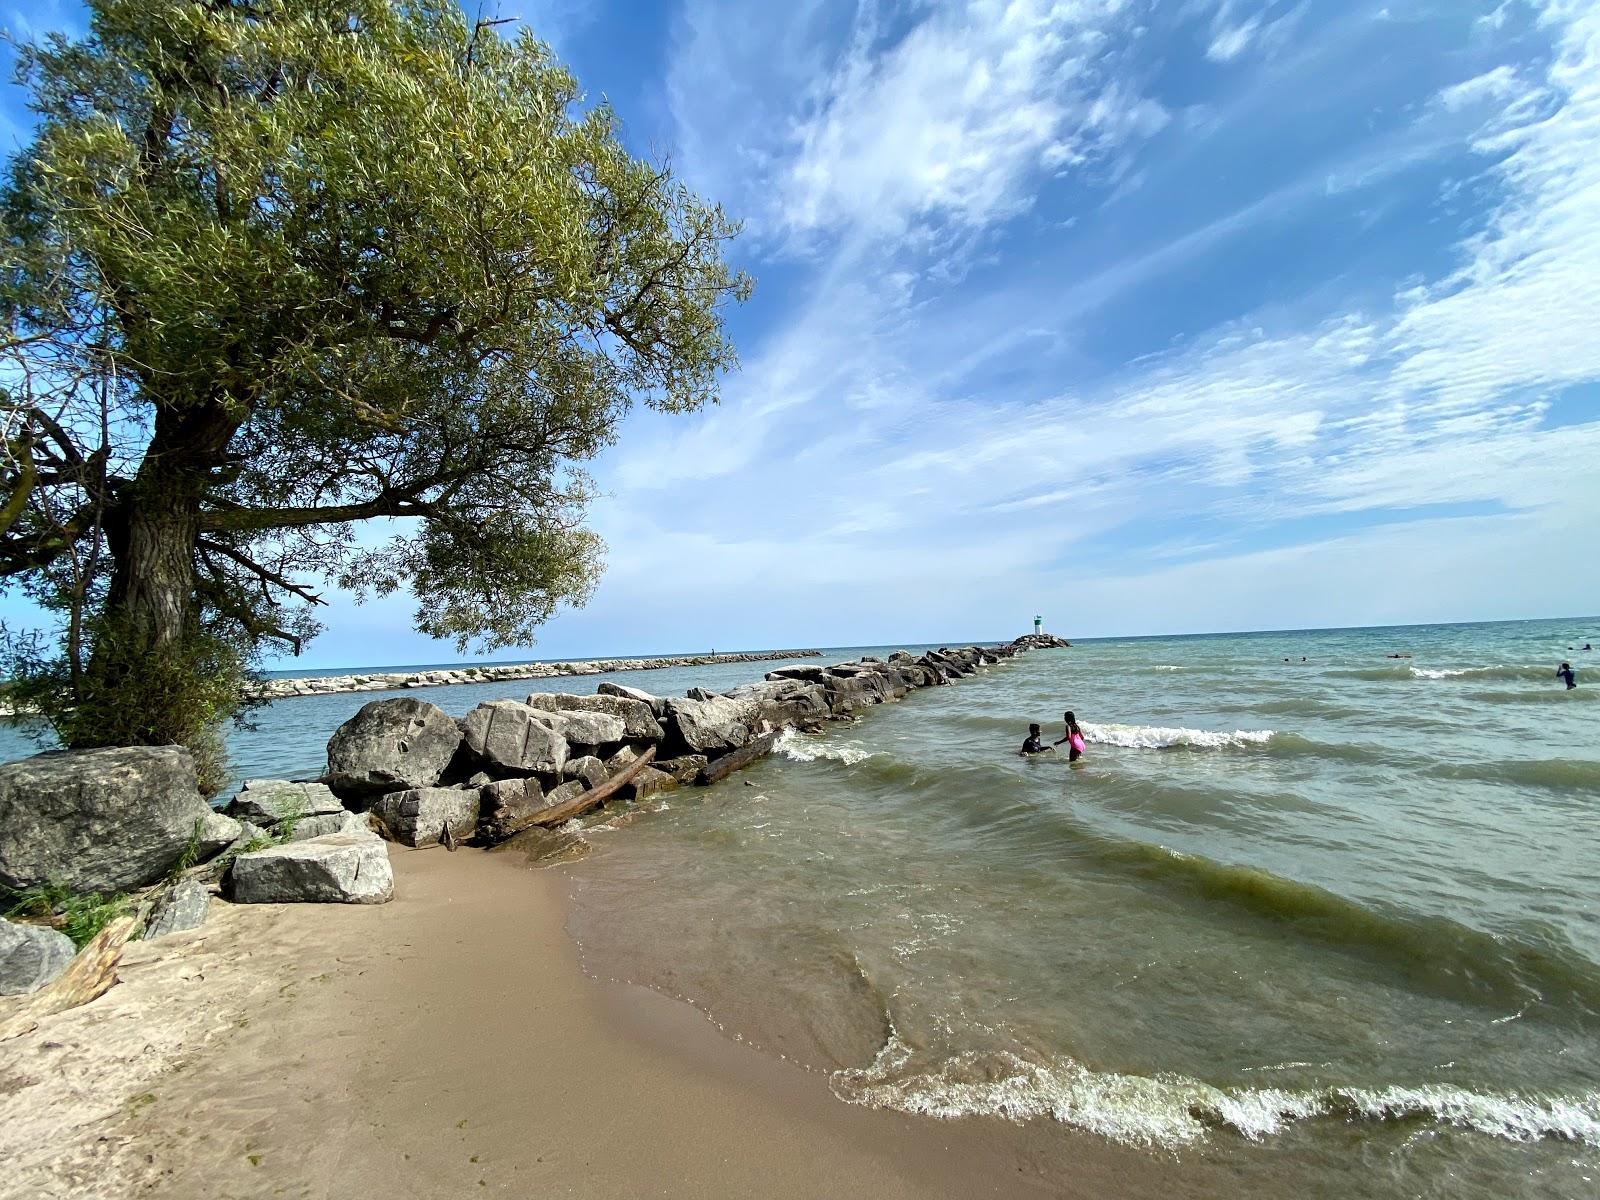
{"x": 449, "y": 1043}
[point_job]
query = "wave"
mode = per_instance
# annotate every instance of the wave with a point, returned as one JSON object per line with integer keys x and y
{"x": 1174, "y": 1110}
{"x": 1406, "y": 672}
{"x": 1430, "y": 954}
{"x": 1559, "y": 774}
{"x": 1160, "y": 737}
{"x": 1554, "y": 694}
{"x": 802, "y": 747}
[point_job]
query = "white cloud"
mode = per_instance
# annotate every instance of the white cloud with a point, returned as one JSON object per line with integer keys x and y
{"x": 957, "y": 120}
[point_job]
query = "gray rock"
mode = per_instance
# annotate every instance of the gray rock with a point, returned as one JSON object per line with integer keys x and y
{"x": 657, "y": 705}
{"x": 586, "y": 730}
{"x": 647, "y": 782}
{"x": 809, "y": 671}
{"x": 184, "y": 907}
{"x": 621, "y": 760}
{"x": 341, "y": 868}
{"x": 638, "y": 719}
{"x": 31, "y": 956}
{"x": 710, "y": 727}
{"x": 247, "y": 834}
{"x": 570, "y": 790}
{"x": 418, "y": 817}
{"x": 268, "y": 801}
{"x": 685, "y": 768}
{"x": 326, "y": 823}
{"x": 399, "y": 743}
{"x": 217, "y": 833}
{"x": 508, "y": 806}
{"x": 514, "y": 737}
{"x": 699, "y": 693}
{"x": 781, "y": 702}
{"x": 589, "y": 769}
{"x": 97, "y": 820}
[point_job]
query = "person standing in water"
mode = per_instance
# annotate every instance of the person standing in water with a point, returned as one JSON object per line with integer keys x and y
{"x": 1073, "y": 736}
{"x": 1033, "y": 745}
{"x": 1567, "y": 675}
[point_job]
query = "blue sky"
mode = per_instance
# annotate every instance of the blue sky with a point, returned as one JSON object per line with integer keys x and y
{"x": 1148, "y": 317}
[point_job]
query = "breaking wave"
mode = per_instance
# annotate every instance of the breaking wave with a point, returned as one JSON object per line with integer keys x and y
{"x": 1173, "y": 1110}
{"x": 802, "y": 747}
{"x": 1161, "y": 737}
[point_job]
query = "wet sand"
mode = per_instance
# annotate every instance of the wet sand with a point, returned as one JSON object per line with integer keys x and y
{"x": 448, "y": 1044}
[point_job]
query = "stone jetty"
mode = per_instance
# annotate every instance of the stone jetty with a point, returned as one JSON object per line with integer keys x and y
{"x": 403, "y": 770}
{"x": 385, "y": 681}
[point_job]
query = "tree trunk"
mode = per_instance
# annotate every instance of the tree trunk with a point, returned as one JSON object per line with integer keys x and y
{"x": 152, "y": 551}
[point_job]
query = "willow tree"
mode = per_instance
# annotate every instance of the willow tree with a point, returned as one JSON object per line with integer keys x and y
{"x": 275, "y": 268}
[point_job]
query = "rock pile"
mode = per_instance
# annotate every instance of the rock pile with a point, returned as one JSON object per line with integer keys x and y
{"x": 508, "y": 764}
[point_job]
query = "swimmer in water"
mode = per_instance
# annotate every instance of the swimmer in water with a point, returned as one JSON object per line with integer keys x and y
{"x": 1567, "y": 675}
{"x": 1073, "y": 736}
{"x": 1033, "y": 745}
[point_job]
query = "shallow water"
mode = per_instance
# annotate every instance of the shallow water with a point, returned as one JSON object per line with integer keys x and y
{"x": 1332, "y": 924}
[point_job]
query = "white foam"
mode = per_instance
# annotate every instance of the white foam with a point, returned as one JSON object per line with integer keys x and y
{"x": 802, "y": 748}
{"x": 1173, "y": 1110}
{"x": 1159, "y": 737}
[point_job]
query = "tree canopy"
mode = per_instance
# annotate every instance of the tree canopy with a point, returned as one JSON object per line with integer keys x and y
{"x": 273, "y": 268}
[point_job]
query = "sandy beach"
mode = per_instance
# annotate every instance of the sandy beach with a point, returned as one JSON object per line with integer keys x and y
{"x": 448, "y": 1044}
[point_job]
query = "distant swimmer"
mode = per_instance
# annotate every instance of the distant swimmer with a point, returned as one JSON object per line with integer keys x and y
{"x": 1072, "y": 736}
{"x": 1397, "y": 656}
{"x": 1567, "y": 675}
{"x": 1033, "y": 745}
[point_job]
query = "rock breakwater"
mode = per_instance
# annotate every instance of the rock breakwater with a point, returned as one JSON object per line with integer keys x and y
{"x": 383, "y": 681}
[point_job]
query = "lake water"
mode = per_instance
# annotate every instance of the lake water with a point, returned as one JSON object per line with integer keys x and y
{"x": 1330, "y": 924}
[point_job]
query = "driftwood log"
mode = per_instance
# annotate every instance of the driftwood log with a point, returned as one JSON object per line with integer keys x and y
{"x": 720, "y": 768}
{"x": 579, "y": 805}
{"x": 87, "y": 976}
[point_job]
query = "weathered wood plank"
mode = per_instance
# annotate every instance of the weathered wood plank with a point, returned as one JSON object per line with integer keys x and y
{"x": 719, "y": 769}
{"x": 579, "y": 805}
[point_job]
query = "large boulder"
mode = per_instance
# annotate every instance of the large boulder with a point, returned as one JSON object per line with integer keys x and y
{"x": 183, "y": 908}
{"x": 781, "y": 702}
{"x": 97, "y": 820}
{"x": 31, "y": 956}
{"x": 217, "y": 833}
{"x": 639, "y": 723}
{"x": 656, "y": 703}
{"x": 342, "y": 868}
{"x": 390, "y": 744}
{"x": 809, "y": 671}
{"x": 846, "y": 693}
{"x": 514, "y": 737}
{"x": 589, "y": 769}
{"x": 419, "y": 817}
{"x": 685, "y": 768}
{"x": 710, "y": 727}
{"x": 508, "y": 806}
{"x": 265, "y": 802}
{"x": 585, "y": 731}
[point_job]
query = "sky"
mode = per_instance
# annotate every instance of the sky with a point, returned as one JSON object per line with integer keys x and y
{"x": 1146, "y": 317}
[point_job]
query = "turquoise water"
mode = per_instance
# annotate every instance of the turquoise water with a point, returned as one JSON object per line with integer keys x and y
{"x": 1332, "y": 924}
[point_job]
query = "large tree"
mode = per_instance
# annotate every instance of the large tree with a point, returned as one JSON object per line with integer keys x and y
{"x": 274, "y": 268}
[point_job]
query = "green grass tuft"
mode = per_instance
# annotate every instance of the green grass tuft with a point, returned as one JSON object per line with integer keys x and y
{"x": 79, "y": 915}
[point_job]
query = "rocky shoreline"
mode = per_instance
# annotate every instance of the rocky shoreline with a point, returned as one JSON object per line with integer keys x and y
{"x": 130, "y": 821}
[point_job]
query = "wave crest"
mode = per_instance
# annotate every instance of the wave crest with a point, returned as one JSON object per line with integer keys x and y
{"x": 1174, "y": 1110}
{"x": 1162, "y": 737}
